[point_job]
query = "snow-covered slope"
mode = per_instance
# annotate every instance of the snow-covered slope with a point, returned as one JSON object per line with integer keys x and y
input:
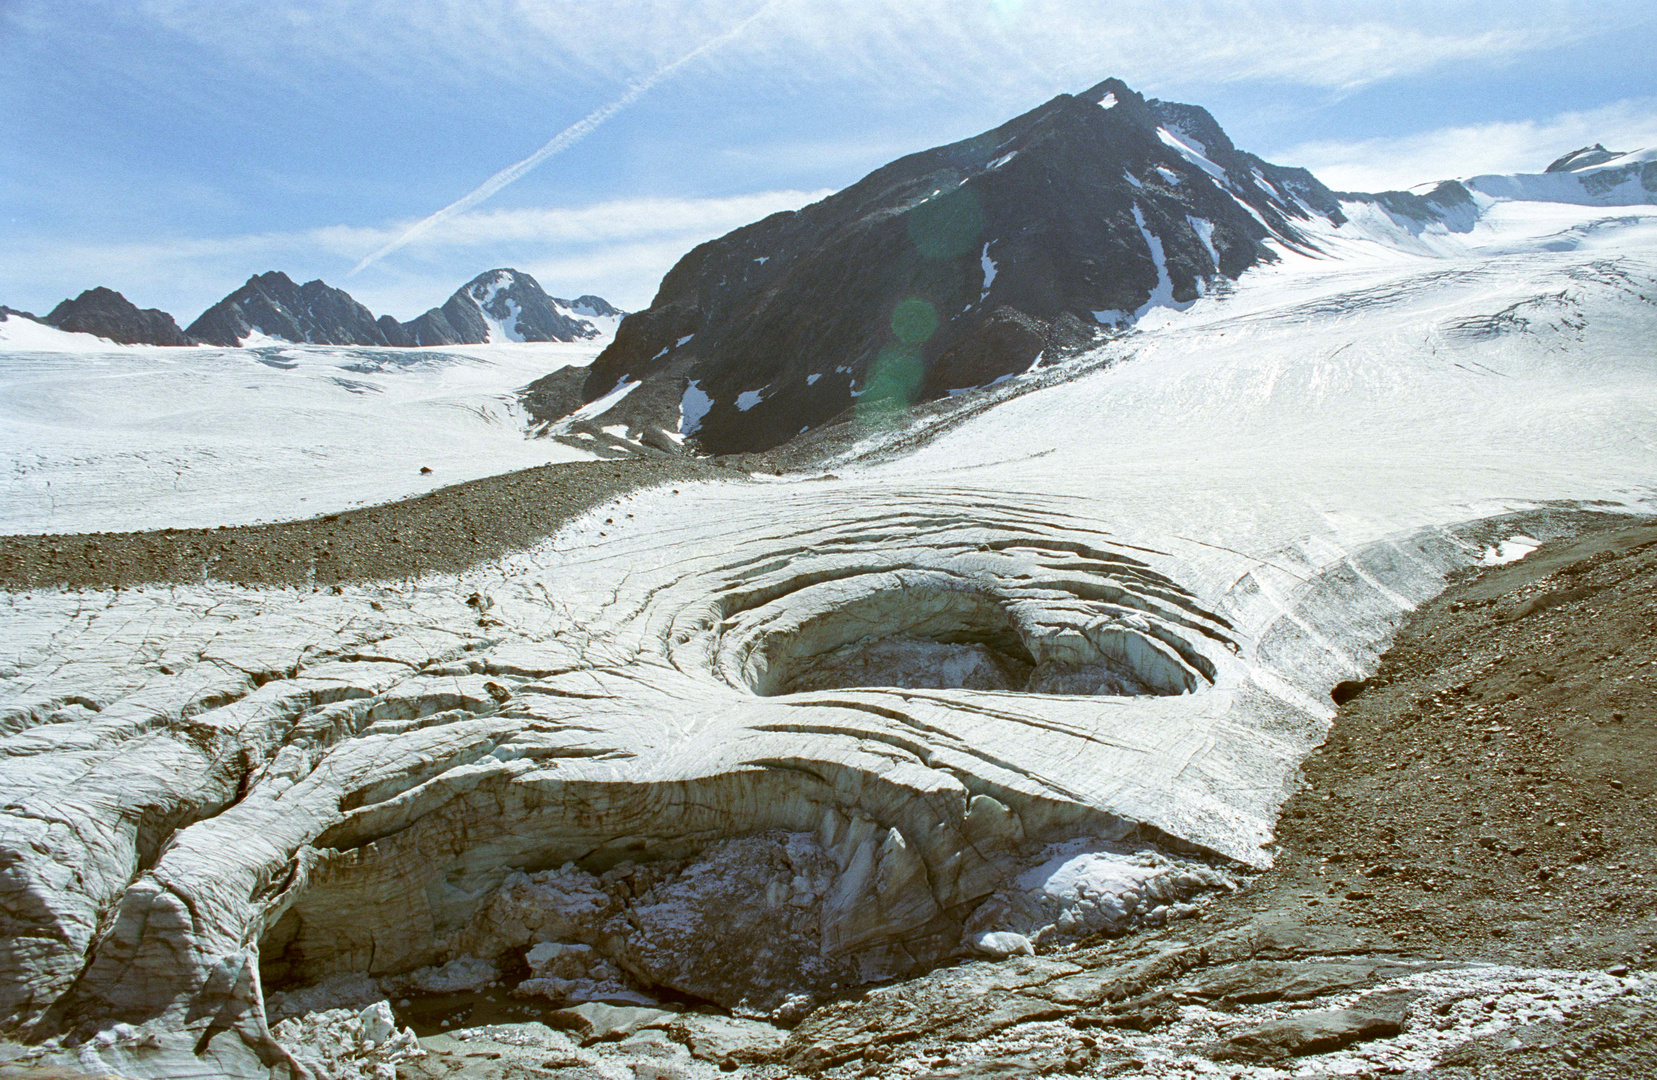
{"x": 19, "y": 334}
{"x": 900, "y": 682}
{"x": 96, "y": 436}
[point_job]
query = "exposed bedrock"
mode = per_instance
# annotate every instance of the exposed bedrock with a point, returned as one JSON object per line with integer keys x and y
{"x": 748, "y": 766}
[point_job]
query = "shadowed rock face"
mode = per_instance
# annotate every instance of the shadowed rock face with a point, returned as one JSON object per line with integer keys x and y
{"x": 271, "y": 304}
{"x": 106, "y": 313}
{"x": 953, "y": 267}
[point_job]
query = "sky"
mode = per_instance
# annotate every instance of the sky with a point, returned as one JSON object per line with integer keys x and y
{"x": 172, "y": 148}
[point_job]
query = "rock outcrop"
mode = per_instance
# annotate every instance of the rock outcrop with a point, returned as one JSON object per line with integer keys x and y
{"x": 106, "y": 313}
{"x": 953, "y": 267}
{"x": 1585, "y": 158}
{"x": 592, "y": 306}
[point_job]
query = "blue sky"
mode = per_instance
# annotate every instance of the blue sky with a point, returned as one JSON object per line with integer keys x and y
{"x": 171, "y": 148}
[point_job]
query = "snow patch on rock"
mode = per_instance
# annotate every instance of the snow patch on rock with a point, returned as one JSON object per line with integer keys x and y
{"x": 693, "y": 406}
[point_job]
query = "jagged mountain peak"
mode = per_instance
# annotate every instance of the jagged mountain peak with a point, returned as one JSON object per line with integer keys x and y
{"x": 271, "y": 305}
{"x": 505, "y": 304}
{"x": 501, "y": 277}
{"x": 1112, "y": 92}
{"x": 105, "y": 313}
{"x": 498, "y": 305}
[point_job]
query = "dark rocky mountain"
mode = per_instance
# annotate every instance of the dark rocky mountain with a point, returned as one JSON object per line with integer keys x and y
{"x": 592, "y": 307}
{"x": 500, "y": 305}
{"x": 106, "y": 313}
{"x": 1585, "y": 158}
{"x": 271, "y": 304}
{"x": 504, "y": 305}
{"x": 952, "y": 267}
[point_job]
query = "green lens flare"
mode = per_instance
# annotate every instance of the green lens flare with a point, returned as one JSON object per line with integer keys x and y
{"x": 947, "y": 225}
{"x": 914, "y": 321}
{"x": 894, "y": 383}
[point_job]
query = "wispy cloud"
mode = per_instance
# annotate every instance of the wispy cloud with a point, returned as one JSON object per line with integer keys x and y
{"x": 557, "y": 145}
{"x": 618, "y": 248}
{"x": 605, "y": 222}
{"x": 976, "y": 45}
{"x": 1522, "y": 146}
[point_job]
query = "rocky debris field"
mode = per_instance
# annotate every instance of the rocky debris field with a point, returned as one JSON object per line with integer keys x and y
{"x": 1490, "y": 792}
{"x": 1464, "y": 887}
{"x": 443, "y": 531}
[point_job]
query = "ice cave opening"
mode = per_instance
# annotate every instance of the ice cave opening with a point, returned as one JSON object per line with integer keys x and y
{"x": 929, "y": 637}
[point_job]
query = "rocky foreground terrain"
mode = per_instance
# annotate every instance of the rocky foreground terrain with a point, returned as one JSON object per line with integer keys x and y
{"x": 446, "y": 530}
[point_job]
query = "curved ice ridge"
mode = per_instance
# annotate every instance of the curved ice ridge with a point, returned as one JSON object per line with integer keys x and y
{"x": 1065, "y": 616}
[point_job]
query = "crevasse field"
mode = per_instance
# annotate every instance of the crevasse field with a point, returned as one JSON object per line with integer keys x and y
{"x": 1064, "y": 654}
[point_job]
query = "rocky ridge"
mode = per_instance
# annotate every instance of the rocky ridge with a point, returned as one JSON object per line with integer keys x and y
{"x": 272, "y": 305}
{"x": 498, "y": 305}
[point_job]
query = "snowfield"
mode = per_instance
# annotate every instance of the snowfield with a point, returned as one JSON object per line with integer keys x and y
{"x": 102, "y": 437}
{"x": 980, "y": 690}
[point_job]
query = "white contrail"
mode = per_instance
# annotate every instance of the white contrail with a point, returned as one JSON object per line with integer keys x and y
{"x": 560, "y": 142}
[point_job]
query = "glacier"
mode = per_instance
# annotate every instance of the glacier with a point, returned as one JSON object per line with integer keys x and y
{"x": 1049, "y": 658}
{"x": 102, "y": 437}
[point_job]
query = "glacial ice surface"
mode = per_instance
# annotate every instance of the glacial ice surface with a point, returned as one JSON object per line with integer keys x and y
{"x": 102, "y": 437}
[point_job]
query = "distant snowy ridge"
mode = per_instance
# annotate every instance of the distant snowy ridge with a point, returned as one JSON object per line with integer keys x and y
{"x": 1421, "y": 220}
{"x": 509, "y": 305}
{"x": 503, "y": 305}
{"x": 1592, "y": 176}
